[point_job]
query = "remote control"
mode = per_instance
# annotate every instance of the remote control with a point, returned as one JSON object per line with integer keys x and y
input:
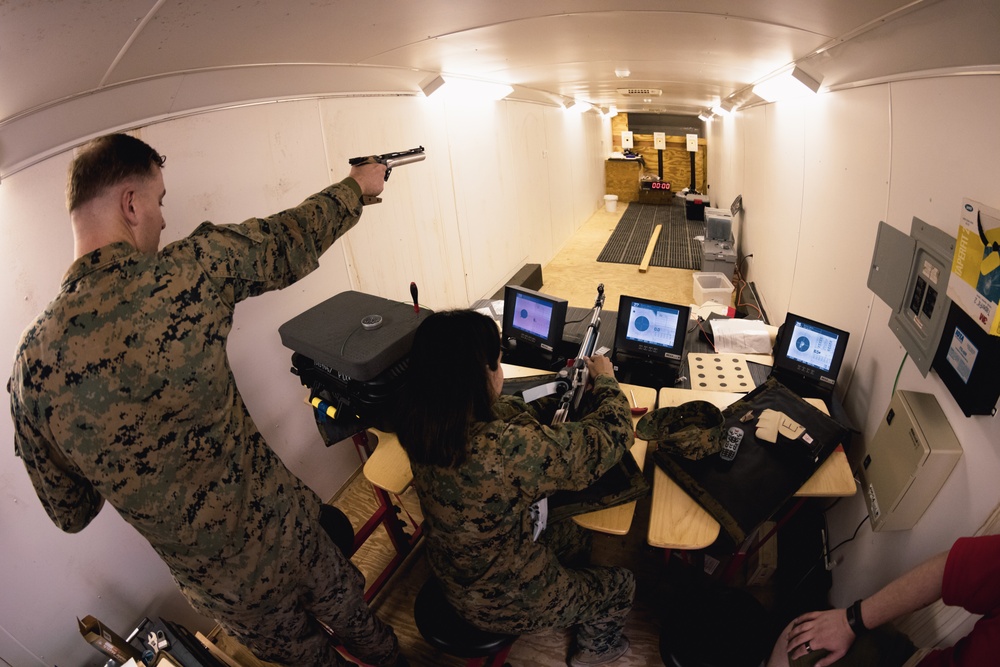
{"x": 732, "y": 443}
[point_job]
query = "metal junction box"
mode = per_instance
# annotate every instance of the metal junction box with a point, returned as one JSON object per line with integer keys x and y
{"x": 907, "y": 462}
{"x": 910, "y": 274}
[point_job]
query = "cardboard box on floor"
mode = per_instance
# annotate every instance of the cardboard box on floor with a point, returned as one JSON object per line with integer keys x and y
{"x": 762, "y": 563}
{"x": 106, "y": 641}
{"x": 975, "y": 281}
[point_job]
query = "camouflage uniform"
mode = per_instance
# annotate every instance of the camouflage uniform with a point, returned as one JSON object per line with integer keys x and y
{"x": 479, "y": 526}
{"x": 122, "y": 391}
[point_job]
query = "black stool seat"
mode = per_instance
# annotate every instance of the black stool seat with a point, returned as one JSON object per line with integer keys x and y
{"x": 338, "y": 527}
{"x": 446, "y": 631}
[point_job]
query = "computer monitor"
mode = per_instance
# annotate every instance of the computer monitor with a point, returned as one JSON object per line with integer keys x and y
{"x": 532, "y": 320}
{"x": 809, "y": 353}
{"x": 648, "y": 329}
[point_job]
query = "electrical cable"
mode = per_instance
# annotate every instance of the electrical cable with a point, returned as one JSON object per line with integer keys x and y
{"x": 832, "y": 505}
{"x": 828, "y": 553}
{"x": 896, "y": 381}
{"x": 851, "y": 537}
{"x": 348, "y": 337}
{"x": 414, "y": 304}
{"x": 740, "y": 278}
{"x": 711, "y": 341}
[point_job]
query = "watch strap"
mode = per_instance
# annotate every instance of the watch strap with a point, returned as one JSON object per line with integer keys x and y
{"x": 854, "y": 619}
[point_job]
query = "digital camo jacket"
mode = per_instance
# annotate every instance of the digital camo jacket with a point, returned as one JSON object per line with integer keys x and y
{"x": 478, "y": 514}
{"x": 121, "y": 391}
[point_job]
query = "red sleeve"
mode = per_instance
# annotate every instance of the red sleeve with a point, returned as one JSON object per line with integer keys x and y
{"x": 972, "y": 581}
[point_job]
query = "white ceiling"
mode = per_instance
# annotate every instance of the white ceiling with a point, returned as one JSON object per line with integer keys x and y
{"x": 72, "y": 69}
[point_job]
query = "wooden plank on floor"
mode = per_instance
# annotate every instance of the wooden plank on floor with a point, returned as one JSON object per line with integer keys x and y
{"x": 644, "y": 266}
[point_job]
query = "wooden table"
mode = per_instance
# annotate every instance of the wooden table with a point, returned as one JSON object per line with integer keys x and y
{"x": 621, "y": 178}
{"x": 678, "y": 522}
{"x": 388, "y": 467}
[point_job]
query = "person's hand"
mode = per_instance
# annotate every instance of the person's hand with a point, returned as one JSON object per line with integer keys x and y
{"x": 370, "y": 177}
{"x": 820, "y": 630}
{"x": 599, "y": 365}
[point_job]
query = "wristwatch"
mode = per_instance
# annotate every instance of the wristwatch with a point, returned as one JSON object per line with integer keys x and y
{"x": 854, "y": 619}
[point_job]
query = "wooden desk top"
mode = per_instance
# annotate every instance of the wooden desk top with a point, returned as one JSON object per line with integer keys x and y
{"x": 678, "y": 522}
{"x": 388, "y": 467}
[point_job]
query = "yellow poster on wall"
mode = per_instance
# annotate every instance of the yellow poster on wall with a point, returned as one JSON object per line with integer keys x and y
{"x": 975, "y": 268}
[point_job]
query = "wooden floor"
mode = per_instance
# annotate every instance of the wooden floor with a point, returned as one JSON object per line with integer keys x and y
{"x": 573, "y": 274}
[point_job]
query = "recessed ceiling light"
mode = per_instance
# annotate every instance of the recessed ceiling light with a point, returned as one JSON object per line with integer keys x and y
{"x": 622, "y": 73}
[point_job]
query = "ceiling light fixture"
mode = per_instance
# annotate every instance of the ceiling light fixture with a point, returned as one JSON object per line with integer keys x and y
{"x": 788, "y": 84}
{"x": 623, "y": 73}
{"x": 449, "y": 86}
{"x": 612, "y": 111}
{"x": 723, "y": 108}
{"x": 579, "y": 107}
{"x": 705, "y": 116}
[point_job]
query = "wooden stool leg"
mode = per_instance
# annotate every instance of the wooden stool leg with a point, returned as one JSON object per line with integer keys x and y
{"x": 385, "y": 515}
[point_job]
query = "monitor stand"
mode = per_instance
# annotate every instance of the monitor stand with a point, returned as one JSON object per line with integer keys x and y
{"x": 533, "y": 358}
{"x": 645, "y": 372}
{"x": 803, "y": 387}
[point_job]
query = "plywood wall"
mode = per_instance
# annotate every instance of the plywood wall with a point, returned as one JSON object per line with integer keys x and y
{"x": 676, "y": 158}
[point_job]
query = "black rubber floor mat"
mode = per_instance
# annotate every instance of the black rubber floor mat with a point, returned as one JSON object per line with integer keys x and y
{"x": 675, "y": 247}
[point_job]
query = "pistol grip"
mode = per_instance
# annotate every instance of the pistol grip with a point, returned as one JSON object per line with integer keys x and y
{"x": 369, "y": 199}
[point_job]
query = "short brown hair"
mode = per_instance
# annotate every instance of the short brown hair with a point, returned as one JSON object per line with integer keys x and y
{"x": 107, "y": 161}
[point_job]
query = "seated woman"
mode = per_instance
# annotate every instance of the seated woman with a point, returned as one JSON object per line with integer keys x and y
{"x": 480, "y": 461}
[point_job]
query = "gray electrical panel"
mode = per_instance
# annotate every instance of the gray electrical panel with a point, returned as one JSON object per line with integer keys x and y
{"x": 907, "y": 462}
{"x": 910, "y": 274}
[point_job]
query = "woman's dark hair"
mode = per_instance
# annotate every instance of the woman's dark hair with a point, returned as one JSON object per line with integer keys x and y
{"x": 108, "y": 161}
{"x": 448, "y": 385}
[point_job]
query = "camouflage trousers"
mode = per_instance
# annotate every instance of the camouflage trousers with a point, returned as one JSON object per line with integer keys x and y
{"x": 884, "y": 646}
{"x": 329, "y": 590}
{"x": 594, "y": 601}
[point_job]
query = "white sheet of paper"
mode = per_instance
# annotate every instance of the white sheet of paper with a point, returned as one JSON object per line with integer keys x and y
{"x": 741, "y": 336}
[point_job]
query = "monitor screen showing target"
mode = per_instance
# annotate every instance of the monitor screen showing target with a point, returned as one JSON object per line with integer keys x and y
{"x": 651, "y": 329}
